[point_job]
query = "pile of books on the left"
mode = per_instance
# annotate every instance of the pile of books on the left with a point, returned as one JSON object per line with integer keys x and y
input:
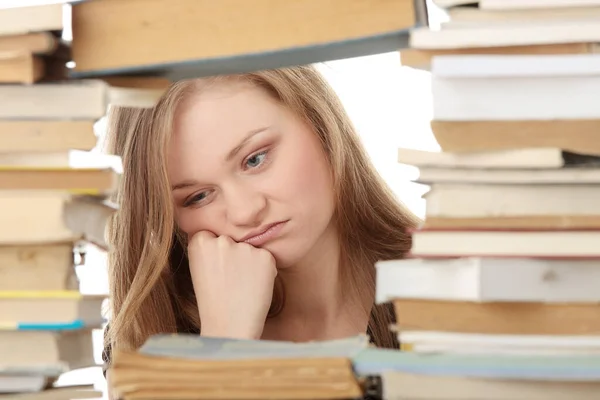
{"x": 48, "y": 205}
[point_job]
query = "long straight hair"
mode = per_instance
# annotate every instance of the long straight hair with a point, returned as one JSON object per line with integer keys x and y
{"x": 150, "y": 285}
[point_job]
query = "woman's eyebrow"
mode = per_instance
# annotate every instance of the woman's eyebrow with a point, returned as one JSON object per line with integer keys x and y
{"x": 248, "y": 137}
{"x": 183, "y": 185}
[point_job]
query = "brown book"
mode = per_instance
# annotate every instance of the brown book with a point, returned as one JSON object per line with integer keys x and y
{"x": 33, "y": 217}
{"x": 29, "y": 43}
{"x": 137, "y": 376}
{"x": 498, "y": 318}
{"x": 77, "y": 180}
{"x": 115, "y": 35}
{"x": 25, "y": 68}
{"x": 578, "y": 136}
{"x": 38, "y": 267}
{"x": 46, "y": 135}
{"x": 29, "y": 68}
{"x": 421, "y": 58}
{"x": 516, "y": 222}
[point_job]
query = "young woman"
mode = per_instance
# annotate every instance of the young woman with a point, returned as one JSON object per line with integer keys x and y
{"x": 248, "y": 209}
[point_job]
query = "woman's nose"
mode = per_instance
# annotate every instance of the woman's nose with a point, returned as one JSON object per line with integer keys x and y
{"x": 245, "y": 206}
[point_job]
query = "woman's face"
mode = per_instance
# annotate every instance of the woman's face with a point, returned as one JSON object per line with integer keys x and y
{"x": 243, "y": 166}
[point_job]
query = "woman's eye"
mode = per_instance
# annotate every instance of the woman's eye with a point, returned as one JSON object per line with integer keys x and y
{"x": 195, "y": 199}
{"x": 256, "y": 160}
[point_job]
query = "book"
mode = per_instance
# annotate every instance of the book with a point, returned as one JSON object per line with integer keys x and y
{"x": 29, "y": 43}
{"x": 502, "y": 36}
{"x": 574, "y": 244}
{"x": 66, "y": 350}
{"x": 574, "y": 135}
{"x": 50, "y": 310}
{"x": 45, "y": 136}
{"x": 528, "y": 4}
{"x": 401, "y": 385}
{"x": 470, "y": 17}
{"x": 515, "y": 87}
{"x": 489, "y": 280}
{"x": 38, "y": 18}
{"x": 80, "y": 100}
{"x": 58, "y": 393}
{"x": 38, "y": 267}
{"x": 488, "y": 200}
{"x": 111, "y": 37}
{"x": 533, "y": 158}
{"x": 431, "y": 342}
{"x": 192, "y": 367}
{"x": 422, "y": 58}
{"x": 576, "y": 368}
{"x": 510, "y": 318}
{"x": 89, "y": 180}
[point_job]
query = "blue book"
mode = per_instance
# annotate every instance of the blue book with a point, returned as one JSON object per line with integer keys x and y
{"x": 562, "y": 368}
{"x": 191, "y": 346}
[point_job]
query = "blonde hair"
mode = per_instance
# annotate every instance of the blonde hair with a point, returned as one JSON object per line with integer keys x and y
{"x": 150, "y": 286}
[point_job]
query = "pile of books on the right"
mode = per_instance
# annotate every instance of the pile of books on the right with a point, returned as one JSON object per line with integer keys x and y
{"x": 505, "y": 269}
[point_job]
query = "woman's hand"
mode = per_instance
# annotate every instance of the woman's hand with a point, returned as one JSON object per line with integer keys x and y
{"x": 233, "y": 283}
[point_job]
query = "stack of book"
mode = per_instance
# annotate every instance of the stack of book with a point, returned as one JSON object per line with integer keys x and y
{"x": 506, "y": 265}
{"x": 48, "y": 203}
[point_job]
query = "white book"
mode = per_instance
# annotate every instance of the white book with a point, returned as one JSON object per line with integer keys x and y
{"x": 508, "y": 99}
{"x": 84, "y": 99}
{"x": 489, "y": 280}
{"x": 529, "y": 4}
{"x": 563, "y": 176}
{"x": 472, "y": 17}
{"x": 398, "y": 385}
{"x": 542, "y": 87}
{"x": 23, "y": 383}
{"x": 487, "y": 200}
{"x": 69, "y": 158}
{"x": 518, "y": 158}
{"x": 506, "y": 243}
{"x": 451, "y": 3}
{"x": 483, "y": 66}
{"x": 38, "y": 18}
{"x": 498, "y": 344}
{"x": 567, "y": 32}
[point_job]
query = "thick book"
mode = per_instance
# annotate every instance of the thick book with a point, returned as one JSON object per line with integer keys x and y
{"x": 230, "y": 36}
{"x": 515, "y": 88}
{"x": 489, "y": 280}
{"x": 404, "y": 385}
{"x": 501, "y": 318}
{"x": 194, "y": 367}
{"x": 548, "y": 243}
{"x": 448, "y": 200}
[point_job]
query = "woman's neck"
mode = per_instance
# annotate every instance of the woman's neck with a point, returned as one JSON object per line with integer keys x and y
{"x": 316, "y": 305}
